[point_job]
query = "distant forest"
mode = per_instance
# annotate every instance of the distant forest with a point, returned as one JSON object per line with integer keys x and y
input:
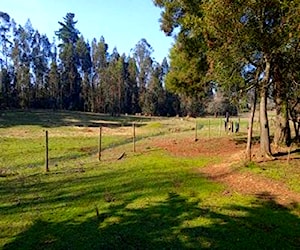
{"x": 73, "y": 74}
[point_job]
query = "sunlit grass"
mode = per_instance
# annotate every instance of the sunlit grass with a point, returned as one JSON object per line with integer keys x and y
{"x": 147, "y": 200}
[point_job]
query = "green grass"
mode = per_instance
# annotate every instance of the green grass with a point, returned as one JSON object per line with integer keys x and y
{"x": 147, "y": 200}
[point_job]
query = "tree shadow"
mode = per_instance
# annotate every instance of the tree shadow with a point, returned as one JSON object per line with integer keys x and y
{"x": 243, "y": 140}
{"x": 280, "y": 154}
{"x": 50, "y": 119}
{"x": 169, "y": 225}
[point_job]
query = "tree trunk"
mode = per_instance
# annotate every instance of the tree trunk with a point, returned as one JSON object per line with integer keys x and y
{"x": 282, "y": 133}
{"x": 250, "y": 127}
{"x": 265, "y": 148}
{"x": 297, "y": 129}
{"x": 282, "y": 130}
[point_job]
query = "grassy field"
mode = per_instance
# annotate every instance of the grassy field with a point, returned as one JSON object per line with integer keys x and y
{"x": 148, "y": 200}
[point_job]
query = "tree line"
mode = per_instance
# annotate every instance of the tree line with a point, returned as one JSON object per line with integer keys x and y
{"x": 81, "y": 75}
{"x": 247, "y": 49}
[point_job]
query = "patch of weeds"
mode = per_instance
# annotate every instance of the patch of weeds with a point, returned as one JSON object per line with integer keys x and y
{"x": 109, "y": 196}
{"x": 6, "y": 173}
{"x": 253, "y": 167}
{"x": 177, "y": 183}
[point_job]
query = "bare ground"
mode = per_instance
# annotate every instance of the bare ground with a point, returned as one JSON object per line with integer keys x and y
{"x": 228, "y": 170}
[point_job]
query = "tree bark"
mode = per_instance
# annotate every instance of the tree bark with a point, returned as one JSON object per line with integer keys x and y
{"x": 282, "y": 135}
{"x": 297, "y": 129}
{"x": 250, "y": 127}
{"x": 265, "y": 148}
{"x": 282, "y": 127}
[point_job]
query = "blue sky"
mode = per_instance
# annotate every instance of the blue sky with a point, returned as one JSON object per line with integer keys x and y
{"x": 122, "y": 22}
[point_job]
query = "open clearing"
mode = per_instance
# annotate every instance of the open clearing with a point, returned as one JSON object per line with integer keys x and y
{"x": 174, "y": 192}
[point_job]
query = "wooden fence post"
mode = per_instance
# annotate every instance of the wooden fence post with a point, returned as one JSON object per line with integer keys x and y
{"x": 209, "y": 128}
{"x": 100, "y": 143}
{"x": 46, "y": 152}
{"x": 133, "y": 137}
{"x": 196, "y": 131}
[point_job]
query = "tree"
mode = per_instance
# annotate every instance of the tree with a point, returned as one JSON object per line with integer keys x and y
{"x": 21, "y": 57}
{"x": 112, "y": 83}
{"x": 5, "y": 88}
{"x": 249, "y": 33}
{"x": 187, "y": 71}
{"x": 99, "y": 71}
{"x": 40, "y": 56}
{"x": 142, "y": 55}
{"x": 71, "y": 80}
{"x": 83, "y": 52}
{"x": 257, "y": 32}
{"x": 68, "y": 33}
{"x": 55, "y": 89}
{"x": 132, "y": 89}
{"x": 4, "y": 39}
{"x": 285, "y": 71}
{"x": 121, "y": 75}
{"x": 189, "y": 66}
{"x": 5, "y": 77}
{"x": 155, "y": 94}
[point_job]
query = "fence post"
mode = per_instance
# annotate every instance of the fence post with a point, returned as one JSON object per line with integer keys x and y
{"x": 209, "y": 128}
{"x": 46, "y": 152}
{"x": 100, "y": 143}
{"x": 133, "y": 137}
{"x": 196, "y": 132}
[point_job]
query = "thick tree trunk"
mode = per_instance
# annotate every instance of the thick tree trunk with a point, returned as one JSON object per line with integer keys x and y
{"x": 265, "y": 148}
{"x": 282, "y": 133}
{"x": 297, "y": 129}
{"x": 250, "y": 127}
{"x": 282, "y": 129}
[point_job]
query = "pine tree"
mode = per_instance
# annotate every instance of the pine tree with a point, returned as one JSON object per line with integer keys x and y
{"x": 21, "y": 60}
{"x": 132, "y": 91}
{"x": 100, "y": 64}
{"x": 142, "y": 54}
{"x": 41, "y": 53}
{"x": 4, "y": 38}
{"x": 55, "y": 89}
{"x": 71, "y": 80}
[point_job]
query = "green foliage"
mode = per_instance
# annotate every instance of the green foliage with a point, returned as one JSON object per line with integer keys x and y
{"x": 185, "y": 72}
{"x": 68, "y": 33}
{"x": 240, "y": 42}
{"x": 86, "y": 77}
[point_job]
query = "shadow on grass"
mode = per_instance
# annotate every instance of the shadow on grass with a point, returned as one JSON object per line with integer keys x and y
{"x": 169, "y": 225}
{"x": 50, "y": 118}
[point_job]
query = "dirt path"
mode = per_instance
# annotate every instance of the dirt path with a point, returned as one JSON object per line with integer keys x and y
{"x": 249, "y": 183}
{"x": 227, "y": 171}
